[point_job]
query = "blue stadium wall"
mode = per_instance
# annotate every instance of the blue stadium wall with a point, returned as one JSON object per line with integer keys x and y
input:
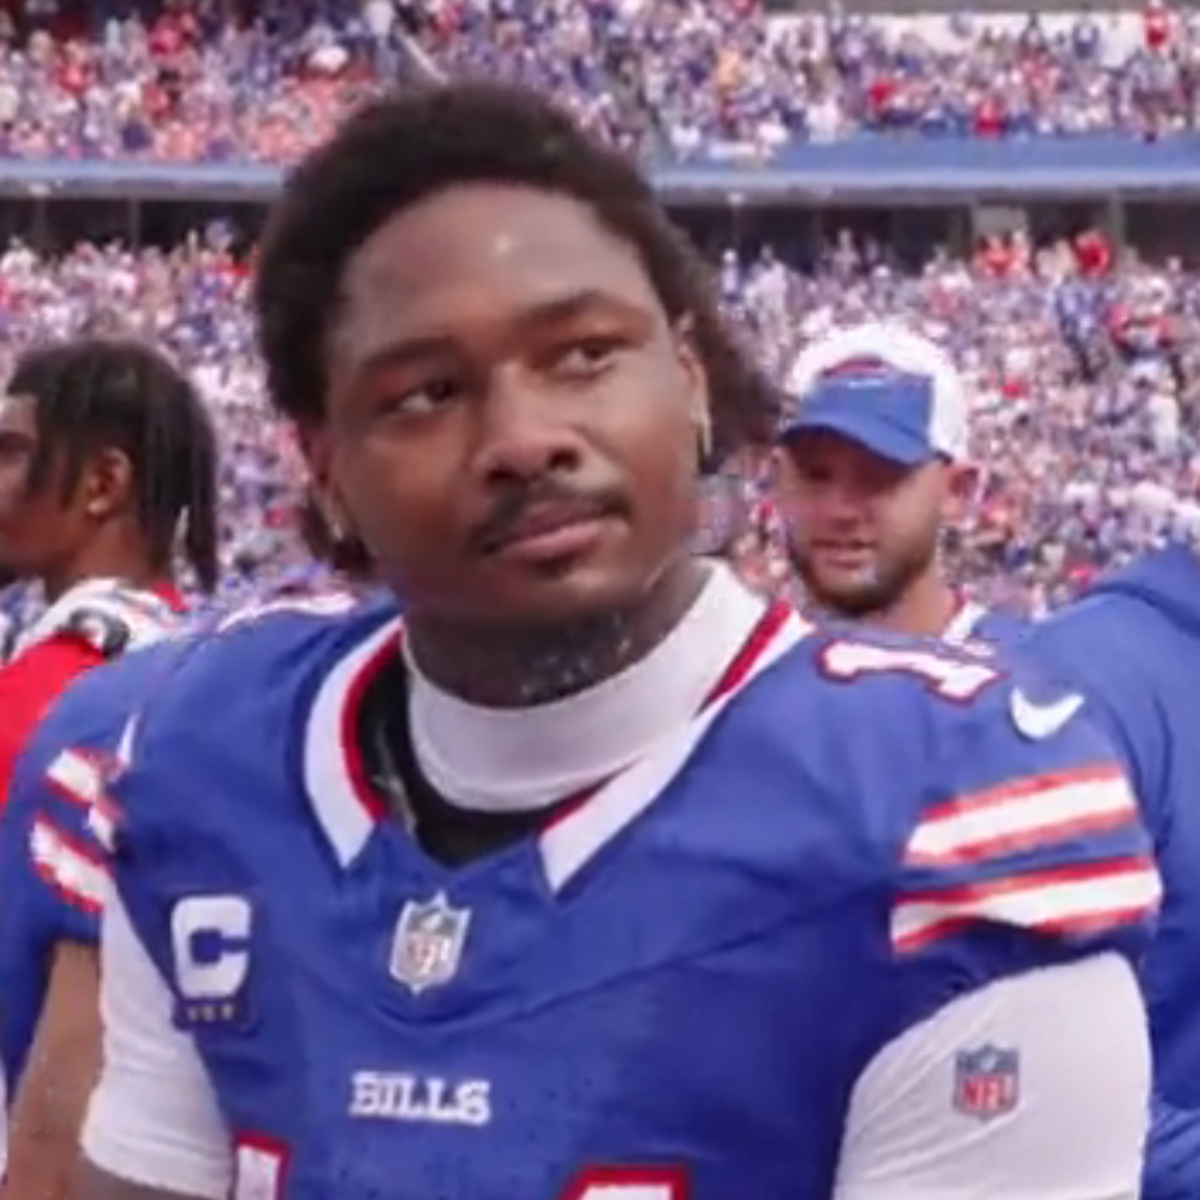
{"x": 891, "y": 169}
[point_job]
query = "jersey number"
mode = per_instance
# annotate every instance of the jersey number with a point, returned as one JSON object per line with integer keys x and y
{"x": 945, "y": 677}
{"x": 628, "y": 1183}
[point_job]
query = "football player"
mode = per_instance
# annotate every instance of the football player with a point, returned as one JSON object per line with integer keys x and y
{"x": 1130, "y": 646}
{"x": 107, "y": 461}
{"x": 596, "y": 877}
{"x": 55, "y": 878}
{"x": 873, "y": 469}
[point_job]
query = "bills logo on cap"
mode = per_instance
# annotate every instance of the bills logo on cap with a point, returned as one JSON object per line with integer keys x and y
{"x": 986, "y": 1082}
{"x": 861, "y": 365}
{"x": 890, "y": 389}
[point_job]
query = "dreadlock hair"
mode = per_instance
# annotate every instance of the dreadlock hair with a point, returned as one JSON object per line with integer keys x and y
{"x": 90, "y": 394}
{"x": 402, "y": 148}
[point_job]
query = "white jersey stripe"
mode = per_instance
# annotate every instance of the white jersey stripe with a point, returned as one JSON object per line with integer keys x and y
{"x": 78, "y": 776}
{"x": 1014, "y": 818}
{"x": 1097, "y": 897}
{"x": 67, "y": 868}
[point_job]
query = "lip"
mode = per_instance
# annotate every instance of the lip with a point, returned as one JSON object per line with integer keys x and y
{"x": 550, "y": 535}
{"x": 844, "y": 554}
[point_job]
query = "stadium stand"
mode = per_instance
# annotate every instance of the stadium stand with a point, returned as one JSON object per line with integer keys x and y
{"x": 1023, "y": 187}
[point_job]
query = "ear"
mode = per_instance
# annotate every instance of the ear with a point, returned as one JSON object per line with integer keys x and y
{"x": 697, "y": 395}
{"x": 691, "y": 363}
{"x": 317, "y": 449}
{"x": 318, "y": 454}
{"x": 777, "y": 460}
{"x": 106, "y": 484}
{"x": 961, "y": 485}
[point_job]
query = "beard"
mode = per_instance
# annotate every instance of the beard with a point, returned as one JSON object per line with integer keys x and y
{"x": 875, "y": 590}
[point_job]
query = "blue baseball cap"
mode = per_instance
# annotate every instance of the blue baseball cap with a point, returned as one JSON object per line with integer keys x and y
{"x": 891, "y": 390}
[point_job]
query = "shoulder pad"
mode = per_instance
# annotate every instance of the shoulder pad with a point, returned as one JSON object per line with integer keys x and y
{"x": 103, "y": 631}
{"x": 107, "y": 616}
{"x": 272, "y": 640}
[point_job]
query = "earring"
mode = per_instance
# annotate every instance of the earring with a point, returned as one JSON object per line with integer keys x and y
{"x": 333, "y": 523}
{"x": 704, "y": 437}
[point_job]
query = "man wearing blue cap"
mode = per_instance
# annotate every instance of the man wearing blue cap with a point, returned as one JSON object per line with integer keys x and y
{"x": 872, "y": 466}
{"x": 873, "y": 463}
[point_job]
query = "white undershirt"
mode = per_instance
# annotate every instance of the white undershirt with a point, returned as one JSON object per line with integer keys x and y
{"x": 1080, "y": 1030}
{"x": 496, "y": 759}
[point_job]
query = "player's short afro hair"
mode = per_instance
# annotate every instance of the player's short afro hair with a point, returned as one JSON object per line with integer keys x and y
{"x": 400, "y": 149}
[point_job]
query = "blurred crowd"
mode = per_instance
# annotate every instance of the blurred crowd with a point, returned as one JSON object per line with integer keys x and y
{"x": 193, "y": 302}
{"x": 1082, "y": 361}
{"x": 1085, "y": 379}
{"x": 683, "y": 77}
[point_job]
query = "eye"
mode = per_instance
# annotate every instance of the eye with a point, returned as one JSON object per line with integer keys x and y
{"x": 422, "y": 399}
{"x": 586, "y": 356}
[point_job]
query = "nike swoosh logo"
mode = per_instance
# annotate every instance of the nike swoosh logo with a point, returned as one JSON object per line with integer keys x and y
{"x": 1037, "y": 721}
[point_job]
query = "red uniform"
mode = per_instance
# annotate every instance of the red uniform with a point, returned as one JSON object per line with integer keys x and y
{"x": 90, "y": 623}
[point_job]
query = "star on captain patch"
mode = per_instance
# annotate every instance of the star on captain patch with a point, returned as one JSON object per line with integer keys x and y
{"x": 986, "y": 1082}
{"x": 428, "y": 945}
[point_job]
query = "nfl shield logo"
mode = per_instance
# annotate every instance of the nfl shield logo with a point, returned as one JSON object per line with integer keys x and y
{"x": 986, "y": 1082}
{"x": 428, "y": 944}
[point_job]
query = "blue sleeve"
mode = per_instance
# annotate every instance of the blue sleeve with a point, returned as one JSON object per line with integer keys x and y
{"x": 1083, "y": 648}
{"x": 55, "y": 879}
{"x": 1028, "y": 849}
{"x": 49, "y": 844}
{"x": 1016, "y": 839}
{"x": 1172, "y": 1170}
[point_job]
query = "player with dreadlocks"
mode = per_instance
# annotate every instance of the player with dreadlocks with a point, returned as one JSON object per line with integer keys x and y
{"x": 107, "y": 467}
{"x": 596, "y": 876}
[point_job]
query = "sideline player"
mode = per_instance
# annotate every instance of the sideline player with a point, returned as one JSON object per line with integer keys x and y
{"x": 872, "y": 467}
{"x": 105, "y": 449}
{"x": 1131, "y": 645}
{"x": 106, "y": 457}
{"x": 55, "y": 875}
{"x": 454, "y": 909}
{"x": 55, "y": 879}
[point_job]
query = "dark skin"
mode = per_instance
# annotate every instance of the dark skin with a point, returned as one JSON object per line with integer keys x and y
{"x": 64, "y": 1060}
{"x": 502, "y": 366}
{"x": 92, "y": 533}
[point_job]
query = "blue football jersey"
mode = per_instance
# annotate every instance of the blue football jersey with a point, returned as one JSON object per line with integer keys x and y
{"x": 1132, "y": 645}
{"x": 675, "y": 985}
{"x": 53, "y": 866}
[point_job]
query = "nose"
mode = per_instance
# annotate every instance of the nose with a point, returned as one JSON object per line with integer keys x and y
{"x": 520, "y": 437}
{"x": 841, "y": 505}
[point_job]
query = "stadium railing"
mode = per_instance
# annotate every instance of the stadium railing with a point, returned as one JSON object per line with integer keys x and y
{"x": 867, "y": 167}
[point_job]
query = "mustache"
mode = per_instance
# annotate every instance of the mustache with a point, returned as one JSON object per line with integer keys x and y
{"x": 502, "y": 523}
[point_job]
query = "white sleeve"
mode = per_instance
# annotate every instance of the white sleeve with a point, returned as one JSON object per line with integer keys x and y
{"x": 153, "y": 1119}
{"x": 1079, "y": 1087}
